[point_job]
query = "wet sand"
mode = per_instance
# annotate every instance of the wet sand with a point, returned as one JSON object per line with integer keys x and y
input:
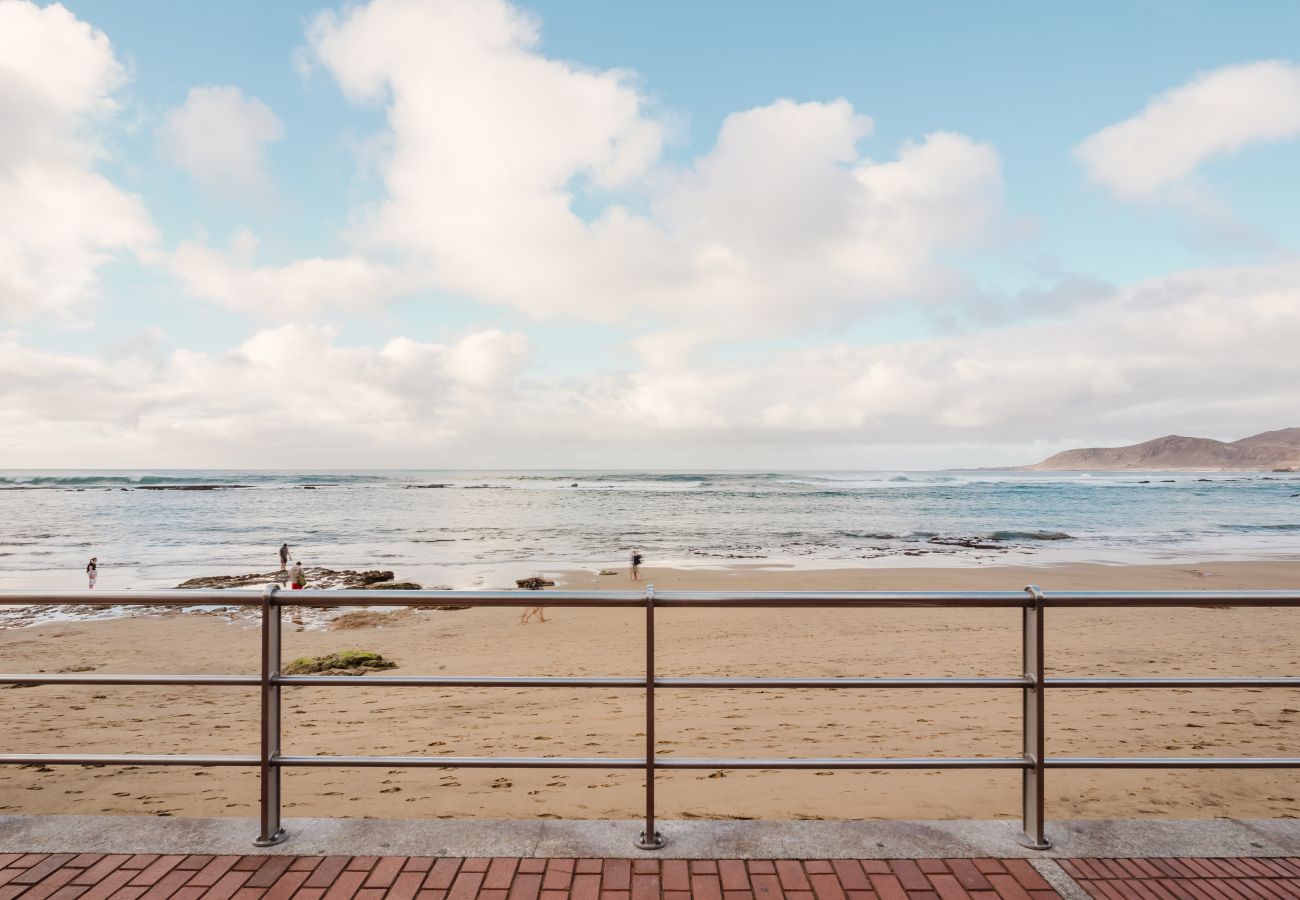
{"x": 726, "y": 723}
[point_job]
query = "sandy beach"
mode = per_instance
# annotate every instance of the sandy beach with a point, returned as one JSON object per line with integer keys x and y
{"x": 557, "y": 721}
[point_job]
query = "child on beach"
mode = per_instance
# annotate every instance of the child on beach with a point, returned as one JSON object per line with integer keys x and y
{"x": 92, "y": 571}
{"x": 636, "y": 564}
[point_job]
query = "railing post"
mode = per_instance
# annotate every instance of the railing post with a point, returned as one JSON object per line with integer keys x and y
{"x": 1034, "y": 743}
{"x": 271, "y": 832}
{"x": 650, "y": 838}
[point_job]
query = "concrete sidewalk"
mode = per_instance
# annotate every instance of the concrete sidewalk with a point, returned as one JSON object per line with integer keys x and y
{"x": 687, "y": 839}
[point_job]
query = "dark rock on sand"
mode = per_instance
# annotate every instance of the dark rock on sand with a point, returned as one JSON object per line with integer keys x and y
{"x": 969, "y": 542}
{"x": 535, "y": 583}
{"x": 393, "y": 586}
{"x": 316, "y": 577}
{"x": 344, "y": 662}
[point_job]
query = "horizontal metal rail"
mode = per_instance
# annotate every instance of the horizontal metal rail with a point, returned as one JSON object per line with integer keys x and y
{"x": 1208, "y": 682}
{"x": 172, "y": 598}
{"x": 110, "y": 678}
{"x": 1172, "y": 762}
{"x": 841, "y": 683}
{"x": 703, "y": 683}
{"x": 1032, "y": 683}
{"x": 455, "y": 681}
{"x": 661, "y": 762}
{"x": 123, "y": 759}
{"x": 1158, "y": 599}
{"x": 548, "y": 681}
{"x": 247, "y": 597}
{"x": 468, "y": 762}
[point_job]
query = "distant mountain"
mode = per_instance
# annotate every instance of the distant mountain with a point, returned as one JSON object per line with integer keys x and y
{"x": 1270, "y": 450}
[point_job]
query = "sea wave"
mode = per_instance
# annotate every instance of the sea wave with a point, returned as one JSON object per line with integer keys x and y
{"x": 1265, "y": 528}
{"x": 603, "y": 477}
{"x": 203, "y": 478}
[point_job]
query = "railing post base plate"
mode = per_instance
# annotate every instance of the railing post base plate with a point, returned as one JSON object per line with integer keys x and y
{"x": 1025, "y": 840}
{"x": 278, "y": 838}
{"x": 656, "y": 844}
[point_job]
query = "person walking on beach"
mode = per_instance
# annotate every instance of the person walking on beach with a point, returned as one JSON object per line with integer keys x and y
{"x": 297, "y": 577}
{"x": 92, "y": 571}
{"x": 533, "y": 584}
{"x": 284, "y": 556}
{"x": 636, "y": 565}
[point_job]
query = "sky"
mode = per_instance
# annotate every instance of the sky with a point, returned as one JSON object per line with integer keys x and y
{"x": 471, "y": 234}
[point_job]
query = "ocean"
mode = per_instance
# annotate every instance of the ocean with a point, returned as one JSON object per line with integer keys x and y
{"x": 466, "y": 529}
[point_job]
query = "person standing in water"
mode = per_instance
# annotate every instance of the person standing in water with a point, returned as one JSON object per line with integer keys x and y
{"x": 297, "y": 577}
{"x": 636, "y": 565}
{"x": 92, "y": 571}
{"x": 284, "y": 556}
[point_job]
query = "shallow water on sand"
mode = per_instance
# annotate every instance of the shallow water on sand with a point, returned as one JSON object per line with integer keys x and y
{"x": 467, "y": 529}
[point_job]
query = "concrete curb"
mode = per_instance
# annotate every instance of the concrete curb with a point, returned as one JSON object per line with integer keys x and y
{"x": 1059, "y": 879}
{"x": 688, "y": 839}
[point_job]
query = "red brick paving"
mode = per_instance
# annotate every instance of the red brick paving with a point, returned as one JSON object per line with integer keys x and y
{"x": 89, "y": 876}
{"x": 1187, "y": 879}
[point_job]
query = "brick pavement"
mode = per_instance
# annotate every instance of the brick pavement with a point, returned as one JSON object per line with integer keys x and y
{"x": 1187, "y": 879}
{"x": 89, "y": 876}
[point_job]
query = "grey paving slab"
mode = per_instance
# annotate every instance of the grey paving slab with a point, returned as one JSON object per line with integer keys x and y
{"x": 692, "y": 839}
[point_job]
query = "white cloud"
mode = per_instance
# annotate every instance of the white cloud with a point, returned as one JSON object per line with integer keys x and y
{"x": 288, "y": 395}
{"x": 495, "y": 147}
{"x": 220, "y": 137}
{"x": 1209, "y": 352}
{"x": 294, "y": 291}
{"x": 60, "y": 220}
{"x": 1216, "y": 114}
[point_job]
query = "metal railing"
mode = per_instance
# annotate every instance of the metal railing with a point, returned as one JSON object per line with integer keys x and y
{"x": 1032, "y": 762}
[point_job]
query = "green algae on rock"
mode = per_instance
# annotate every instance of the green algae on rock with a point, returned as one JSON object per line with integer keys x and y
{"x": 342, "y": 662}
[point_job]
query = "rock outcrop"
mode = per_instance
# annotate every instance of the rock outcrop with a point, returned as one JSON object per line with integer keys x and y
{"x": 374, "y": 579}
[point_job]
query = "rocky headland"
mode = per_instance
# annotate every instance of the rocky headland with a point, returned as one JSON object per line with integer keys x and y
{"x": 1269, "y": 451}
